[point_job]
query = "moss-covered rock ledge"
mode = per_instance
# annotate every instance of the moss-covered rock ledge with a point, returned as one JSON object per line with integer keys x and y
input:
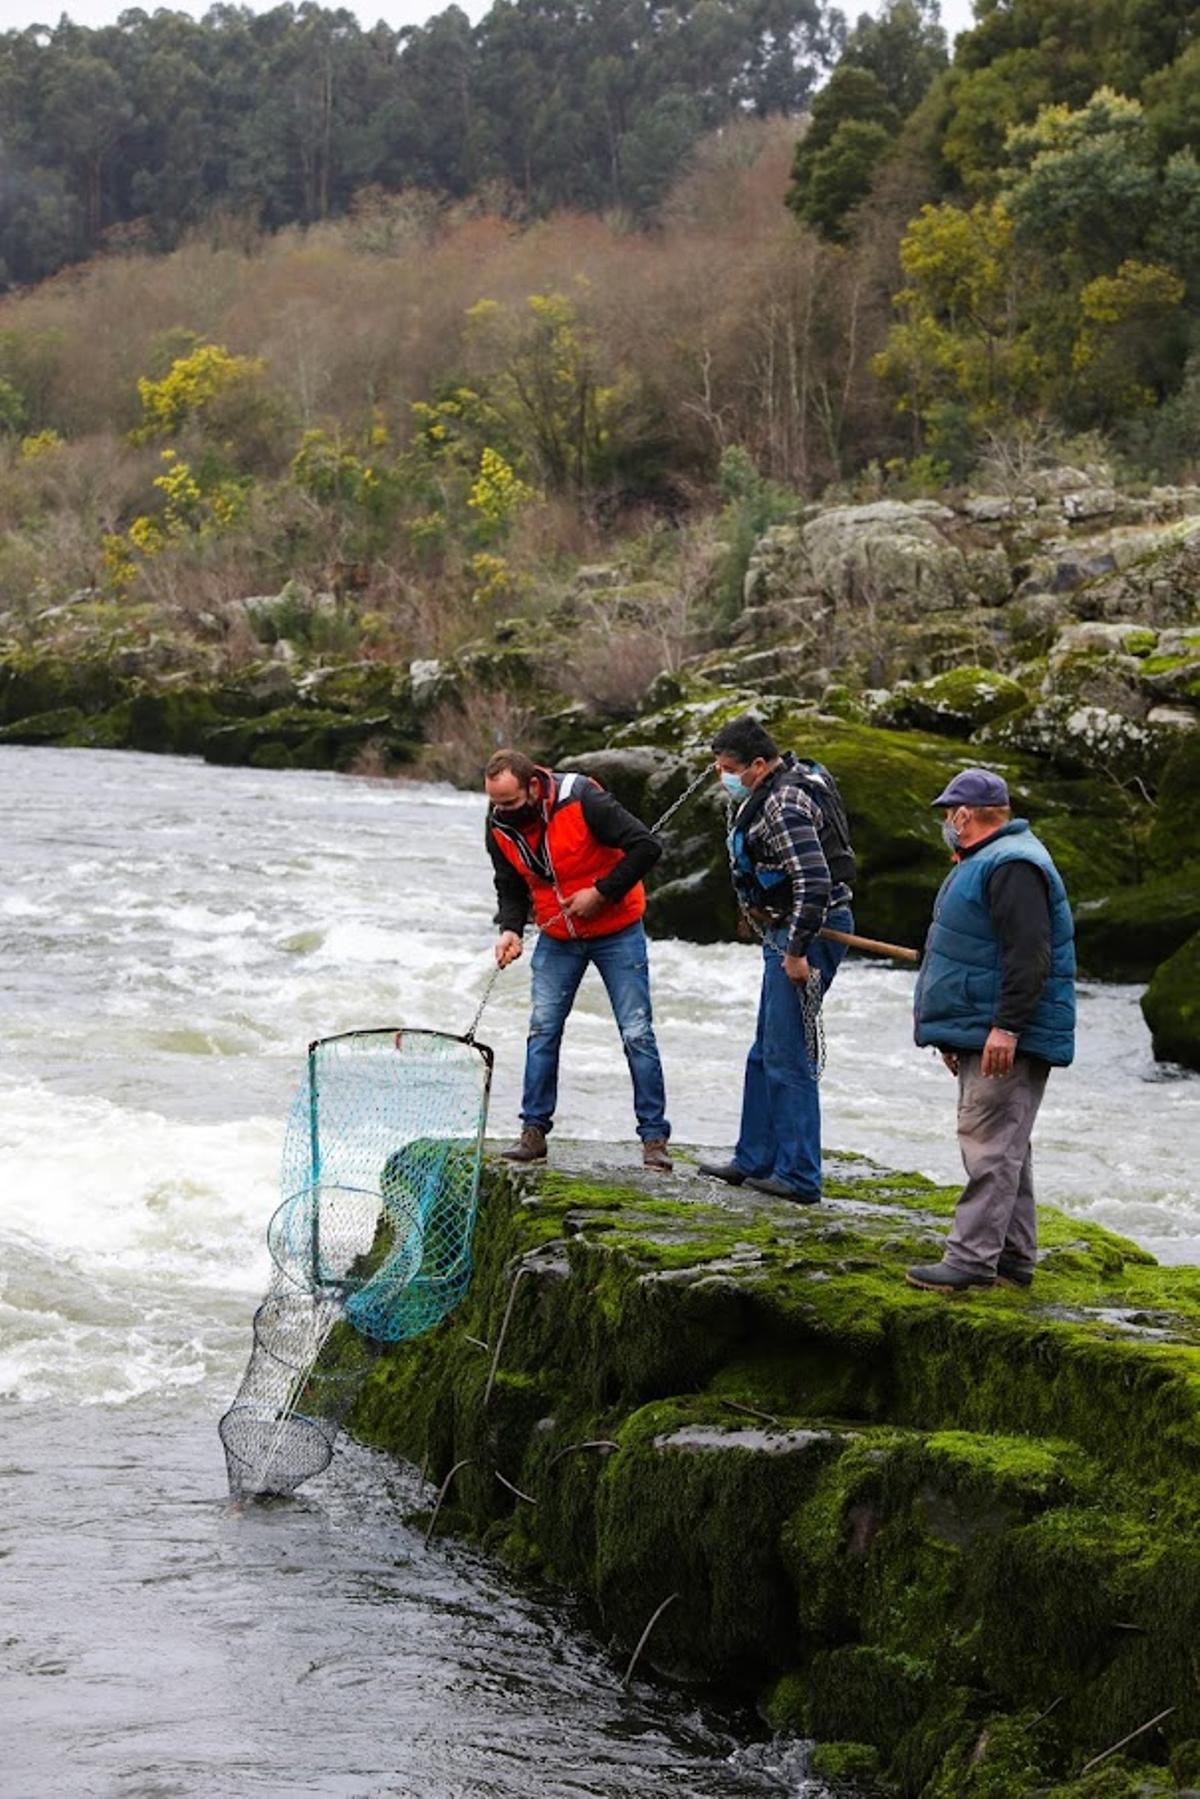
{"x": 958, "y": 1542}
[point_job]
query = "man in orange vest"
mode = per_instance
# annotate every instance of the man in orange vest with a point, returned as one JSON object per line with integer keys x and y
{"x": 563, "y": 847}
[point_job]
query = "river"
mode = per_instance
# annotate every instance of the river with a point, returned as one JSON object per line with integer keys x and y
{"x": 172, "y": 936}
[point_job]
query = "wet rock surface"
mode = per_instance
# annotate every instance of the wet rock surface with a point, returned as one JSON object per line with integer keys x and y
{"x": 902, "y": 1521}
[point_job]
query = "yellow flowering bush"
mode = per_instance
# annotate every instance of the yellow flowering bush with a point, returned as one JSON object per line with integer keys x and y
{"x": 493, "y": 578}
{"x": 41, "y": 443}
{"x": 223, "y": 396}
{"x": 497, "y": 492}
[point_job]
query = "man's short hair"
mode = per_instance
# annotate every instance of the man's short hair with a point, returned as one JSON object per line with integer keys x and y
{"x": 745, "y": 739}
{"x": 511, "y": 762}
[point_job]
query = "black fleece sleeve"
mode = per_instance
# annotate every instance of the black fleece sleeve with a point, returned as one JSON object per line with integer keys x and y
{"x": 611, "y": 825}
{"x": 512, "y": 890}
{"x": 1020, "y": 906}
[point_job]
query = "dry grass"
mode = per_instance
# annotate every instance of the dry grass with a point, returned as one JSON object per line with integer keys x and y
{"x": 461, "y": 735}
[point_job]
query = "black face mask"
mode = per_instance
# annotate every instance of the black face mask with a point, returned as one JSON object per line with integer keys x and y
{"x": 524, "y": 814}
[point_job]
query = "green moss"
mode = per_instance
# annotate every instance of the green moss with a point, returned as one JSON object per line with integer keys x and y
{"x": 936, "y": 1516}
{"x": 783, "y": 1704}
{"x": 845, "y": 1761}
{"x": 1171, "y": 1005}
{"x": 958, "y": 702}
{"x": 1175, "y": 835}
{"x": 864, "y": 1693}
{"x": 58, "y": 725}
{"x": 1127, "y": 934}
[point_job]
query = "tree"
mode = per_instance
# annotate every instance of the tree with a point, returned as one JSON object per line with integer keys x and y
{"x": 904, "y": 47}
{"x": 852, "y": 129}
{"x": 87, "y": 111}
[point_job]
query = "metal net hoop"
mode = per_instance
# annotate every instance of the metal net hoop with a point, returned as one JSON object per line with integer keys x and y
{"x": 371, "y": 1243}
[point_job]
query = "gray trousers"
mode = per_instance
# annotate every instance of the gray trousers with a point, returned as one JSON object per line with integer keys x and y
{"x": 995, "y": 1211}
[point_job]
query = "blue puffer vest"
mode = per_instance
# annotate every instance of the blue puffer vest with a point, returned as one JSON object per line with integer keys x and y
{"x": 959, "y": 983}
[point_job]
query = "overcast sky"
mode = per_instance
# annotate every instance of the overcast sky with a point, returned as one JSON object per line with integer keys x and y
{"x": 16, "y": 14}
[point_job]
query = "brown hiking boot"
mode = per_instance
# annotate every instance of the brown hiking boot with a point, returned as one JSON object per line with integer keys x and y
{"x": 529, "y": 1147}
{"x": 655, "y": 1155}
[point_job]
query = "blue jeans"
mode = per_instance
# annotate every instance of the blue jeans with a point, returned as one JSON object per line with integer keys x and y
{"x": 558, "y": 967}
{"x": 780, "y": 1137}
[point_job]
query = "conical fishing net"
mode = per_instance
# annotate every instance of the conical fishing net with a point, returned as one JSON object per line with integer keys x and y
{"x": 371, "y": 1245}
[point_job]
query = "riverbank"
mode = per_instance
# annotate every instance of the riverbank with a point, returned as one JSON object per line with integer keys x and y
{"x": 958, "y": 1542}
{"x": 1052, "y": 633}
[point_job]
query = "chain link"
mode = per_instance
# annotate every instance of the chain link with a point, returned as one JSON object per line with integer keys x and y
{"x": 469, "y": 1034}
{"x": 705, "y": 774}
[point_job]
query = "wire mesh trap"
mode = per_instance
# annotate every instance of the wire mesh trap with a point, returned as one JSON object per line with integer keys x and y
{"x": 371, "y": 1244}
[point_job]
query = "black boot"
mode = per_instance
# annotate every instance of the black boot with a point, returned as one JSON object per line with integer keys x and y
{"x": 939, "y": 1277}
{"x": 729, "y": 1172}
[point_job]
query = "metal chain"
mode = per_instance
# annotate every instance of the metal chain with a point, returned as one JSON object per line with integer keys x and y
{"x": 814, "y": 1022}
{"x": 813, "y": 995}
{"x": 469, "y": 1034}
{"x": 704, "y": 775}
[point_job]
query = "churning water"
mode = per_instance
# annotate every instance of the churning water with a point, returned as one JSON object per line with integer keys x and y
{"x": 173, "y": 935}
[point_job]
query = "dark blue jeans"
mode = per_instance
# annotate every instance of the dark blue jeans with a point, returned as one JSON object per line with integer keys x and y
{"x": 780, "y": 1137}
{"x": 558, "y": 967}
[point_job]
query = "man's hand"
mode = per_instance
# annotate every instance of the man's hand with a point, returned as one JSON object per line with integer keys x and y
{"x": 508, "y": 948}
{"x": 585, "y": 904}
{"x": 950, "y": 1059}
{"x": 796, "y": 969}
{"x": 998, "y": 1052}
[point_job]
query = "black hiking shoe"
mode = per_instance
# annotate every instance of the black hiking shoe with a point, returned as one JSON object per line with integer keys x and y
{"x": 729, "y": 1172}
{"x": 781, "y": 1190}
{"x": 1011, "y": 1273}
{"x": 938, "y": 1277}
{"x": 529, "y": 1147}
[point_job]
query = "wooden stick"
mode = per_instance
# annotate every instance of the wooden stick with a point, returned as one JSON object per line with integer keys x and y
{"x": 871, "y": 945}
{"x": 527, "y": 1497}
{"x": 465, "y": 1463}
{"x": 512, "y": 1294}
{"x": 1097, "y": 1759}
{"x": 641, "y": 1644}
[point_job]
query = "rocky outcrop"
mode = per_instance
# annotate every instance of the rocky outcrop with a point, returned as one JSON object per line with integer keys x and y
{"x": 958, "y": 1541}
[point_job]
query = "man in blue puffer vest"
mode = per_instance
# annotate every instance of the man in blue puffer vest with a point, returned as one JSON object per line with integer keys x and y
{"x": 996, "y": 996}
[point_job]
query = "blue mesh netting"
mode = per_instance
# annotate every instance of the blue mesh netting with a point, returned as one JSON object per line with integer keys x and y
{"x": 371, "y": 1245}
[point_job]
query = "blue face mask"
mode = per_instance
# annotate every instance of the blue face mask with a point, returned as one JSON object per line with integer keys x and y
{"x": 735, "y": 787}
{"x": 953, "y": 840}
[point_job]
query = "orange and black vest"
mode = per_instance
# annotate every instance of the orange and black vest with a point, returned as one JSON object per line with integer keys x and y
{"x": 557, "y": 855}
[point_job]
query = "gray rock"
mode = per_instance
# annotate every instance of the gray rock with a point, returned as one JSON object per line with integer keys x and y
{"x": 1178, "y": 643}
{"x": 1097, "y": 679}
{"x": 1082, "y": 738}
{"x": 1060, "y": 480}
{"x": 990, "y": 575}
{"x": 1172, "y": 718}
{"x": 1033, "y": 620}
{"x": 272, "y": 683}
{"x": 426, "y": 675}
{"x": 994, "y": 508}
{"x": 1092, "y": 635}
{"x": 888, "y": 553}
{"x": 1091, "y": 502}
{"x": 598, "y": 575}
{"x": 764, "y": 624}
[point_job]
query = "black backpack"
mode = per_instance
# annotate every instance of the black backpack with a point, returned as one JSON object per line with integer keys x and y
{"x": 814, "y": 779}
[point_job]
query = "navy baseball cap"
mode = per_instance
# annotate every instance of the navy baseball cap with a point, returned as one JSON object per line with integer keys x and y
{"x": 974, "y": 787}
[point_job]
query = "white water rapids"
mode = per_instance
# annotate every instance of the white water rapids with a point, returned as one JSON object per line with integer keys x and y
{"x": 171, "y": 937}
